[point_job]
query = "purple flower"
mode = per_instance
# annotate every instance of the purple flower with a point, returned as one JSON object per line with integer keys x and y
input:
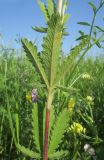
{"x": 34, "y": 95}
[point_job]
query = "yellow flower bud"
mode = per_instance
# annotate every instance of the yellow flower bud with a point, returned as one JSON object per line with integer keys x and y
{"x": 28, "y": 97}
{"x": 71, "y": 104}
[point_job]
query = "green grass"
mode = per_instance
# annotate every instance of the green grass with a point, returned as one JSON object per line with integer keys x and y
{"x": 19, "y": 77}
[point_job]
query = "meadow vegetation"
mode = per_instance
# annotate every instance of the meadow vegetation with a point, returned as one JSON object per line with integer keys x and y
{"x": 51, "y": 104}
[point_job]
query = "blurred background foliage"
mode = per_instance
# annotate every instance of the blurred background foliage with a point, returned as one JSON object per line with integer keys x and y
{"x": 21, "y": 78}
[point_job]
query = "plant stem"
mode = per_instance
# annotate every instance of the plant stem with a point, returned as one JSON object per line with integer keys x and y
{"x": 47, "y": 120}
{"x": 59, "y": 6}
{"x": 46, "y": 134}
{"x": 93, "y": 20}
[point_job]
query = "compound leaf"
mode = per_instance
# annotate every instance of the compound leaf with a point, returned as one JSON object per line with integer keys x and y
{"x": 58, "y": 130}
{"x": 31, "y": 52}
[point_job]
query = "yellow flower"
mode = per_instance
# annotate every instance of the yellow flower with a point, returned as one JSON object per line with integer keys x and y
{"x": 71, "y": 104}
{"x": 86, "y": 76}
{"x": 28, "y": 97}
{"x": 77, "y": 128}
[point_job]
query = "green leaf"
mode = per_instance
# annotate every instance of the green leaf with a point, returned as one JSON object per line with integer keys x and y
{"x": 93, "y": 6}
{"x": 17, "y": 125}
{"x": 52, "y": 47}
{"x": 58, "y": 130}
{"x": 50, "y": 6}
{"x": 35, "y": 124}
{"x": 81, "y": 33}
{"x": 40, "y": 29}
{"x": 3, "y": 111}
{"x": 82, "y": 37}
{"x": 44, "y": 10}
{"x": 28, "y": 152}
{"x": 58, "y": 155}
{"x": 69, "y": 62}
{"x": 11, "y": 123}
{"x": 67, "y": 89}
{"x": 41, "y": 122}
{"x": 65, "y": 33}
{"x": 52, "y": 122}
{"x": 99, "y": 28}
{"x": 98, "y": 44}
{"x": 31, "y": 52}
{"x": 84, "y": 23}
{"x": 66, "y": 17}
{"x": 82, "y": 55}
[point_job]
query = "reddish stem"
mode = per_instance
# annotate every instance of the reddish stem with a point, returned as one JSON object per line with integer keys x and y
{"x": 45, "y": 156}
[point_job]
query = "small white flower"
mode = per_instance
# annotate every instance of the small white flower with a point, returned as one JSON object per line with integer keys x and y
{"x": 86, "y": 146}
{"x": 90, "y": 150}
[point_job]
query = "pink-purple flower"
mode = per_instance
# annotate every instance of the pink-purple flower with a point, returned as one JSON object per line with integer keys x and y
{"x": 34, "y": 95}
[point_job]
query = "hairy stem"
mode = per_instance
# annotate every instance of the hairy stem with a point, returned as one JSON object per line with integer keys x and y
{"x": 49, "y": 101}
{"x": 46, "y": 134}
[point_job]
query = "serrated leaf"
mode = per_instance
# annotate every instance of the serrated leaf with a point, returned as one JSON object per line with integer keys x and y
{"x": 81, "y": 57}
{"x": 58, "y": 130}
{"x": 41, "y": 121}
{"x": 52, "y": 122}
{"x": 50, "y": 6}
{"x": 31, "y": 52}
{"x": 93, "y": 6}
{"x": 70, "y": 60}
{"x": 51, "y": 48}
{"x": 40, "y": 29}
{"x": 35, "y": 124}
{"x": 84, "y": 23}
{"x": 28, "y": 152}
{"x": 58, "y": 155}
{"x": 44, "y": 9}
